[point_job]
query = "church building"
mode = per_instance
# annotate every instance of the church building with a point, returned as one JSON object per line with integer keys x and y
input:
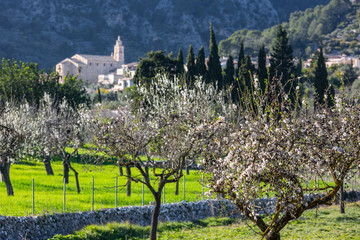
{"x": 89, "y": 67}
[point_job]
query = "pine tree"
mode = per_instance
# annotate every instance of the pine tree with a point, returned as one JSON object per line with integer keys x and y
{"x": 214, "y": 66}
{"x": 262, "y": 70}
{"x": 180, "y": 63}
{"x": 190, "y": 63}
{"x": 229, "y": 72}
{"x": 282, "y": 64}
{"x": 240, "y": 58}
{"x": 321, "y": 83}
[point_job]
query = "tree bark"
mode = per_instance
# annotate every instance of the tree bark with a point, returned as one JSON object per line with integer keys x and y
{"x": 47, "y": 164}
{"x": 66, "y": 171}
{"x": 76, "y": 178}
{"x": 121, "y": 170}
{"x": 128, "y": 184}
{"x": 187, "y": 170}
{"x": 155, "y": 215}
{"x": 177, "y": 188}
{"x": 342, "y": 206}
{"x": 272, "y": 236}
{"x": 5, "y": 176}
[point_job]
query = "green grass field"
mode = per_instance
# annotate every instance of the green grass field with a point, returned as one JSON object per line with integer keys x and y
{"x": 49, "y": 189}
{"x": 326, "y": 223}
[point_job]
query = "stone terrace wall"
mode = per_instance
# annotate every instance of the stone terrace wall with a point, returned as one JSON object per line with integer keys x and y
{"x": 46, "y": 226}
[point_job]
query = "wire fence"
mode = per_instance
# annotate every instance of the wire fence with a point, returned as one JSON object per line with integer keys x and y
{"x": 116, "y": 188}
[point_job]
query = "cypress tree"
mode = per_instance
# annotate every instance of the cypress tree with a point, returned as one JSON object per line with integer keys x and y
{"x": 262, "y": 70}
{"x": 214, "y": 66}
{"x": 245, "y": 75}
{"x": 282, "y": 64}
{"x": 190, "y": 63}
{"x": 99, "y": 98}
{"x": 200, "y": 65}
{"x": 180, "y": 63}
{"x": 243, "y": 85}
{"x": 229, "y": 72}
{"x": 240, "y": 58}
{"x": 321, "y": 82}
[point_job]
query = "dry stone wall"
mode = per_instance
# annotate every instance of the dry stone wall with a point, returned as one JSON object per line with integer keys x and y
{"x": 46, "y": 226}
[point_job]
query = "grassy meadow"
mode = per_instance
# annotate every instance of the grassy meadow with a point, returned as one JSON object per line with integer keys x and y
{"x": 324, "y": 223}
{"x": 49, "y": 189}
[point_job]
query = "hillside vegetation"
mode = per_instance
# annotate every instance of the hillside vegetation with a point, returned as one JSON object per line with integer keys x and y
{"x": 47, "y": 32}
{"x": 334, "y": 25}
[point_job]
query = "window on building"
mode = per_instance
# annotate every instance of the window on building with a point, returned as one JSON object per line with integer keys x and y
{"x": 97, "y": 64}
{"x": 90, "y": 64}
{"x": 104, "y": 64}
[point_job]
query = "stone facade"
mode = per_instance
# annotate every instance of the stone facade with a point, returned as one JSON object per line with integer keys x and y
{"x": 88, "y": 67}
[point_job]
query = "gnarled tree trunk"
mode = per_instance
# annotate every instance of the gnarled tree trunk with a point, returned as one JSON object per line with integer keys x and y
{"x": 155, "y": 215}
{"x": 121, "y": 170}
{"x": 76, "y": 178}
{"x": 47, "y": 164}
{"x": 272, "y": 236}
{"x": 66, "y": 171}
{"x": 177, "y": 188}
{"x": 5, "y": 176}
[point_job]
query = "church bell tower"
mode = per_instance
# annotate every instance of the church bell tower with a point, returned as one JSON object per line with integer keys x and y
{"x": 118, "y": 53}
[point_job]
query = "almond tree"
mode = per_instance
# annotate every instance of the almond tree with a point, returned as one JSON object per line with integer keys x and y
{"x": 287, "y": 154}
{"x": 10, "y": 140}
{"x": 16, "y": 128}
{"x": 63, "y": 127}
{"x": 172, "y": 122}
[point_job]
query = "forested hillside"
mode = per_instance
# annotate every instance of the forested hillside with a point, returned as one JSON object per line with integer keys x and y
{"x": 48, "y": 31}
{"x": 330, "y": 25}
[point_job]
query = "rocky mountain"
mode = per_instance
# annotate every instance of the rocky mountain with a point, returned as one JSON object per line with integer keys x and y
{"x": 49, "y": 31}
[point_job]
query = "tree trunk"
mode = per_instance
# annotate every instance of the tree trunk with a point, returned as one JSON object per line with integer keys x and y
{"x": 121, "y": 170}
{"x": 76, "y": 178}
{"x": 342, "y": 206}
{"x": 155, "y": 216}
{"x": 272, "y": 236}
{"x": 177, "y": 188}
{"x": 147, "y": 170}
{"x": 66, "y": 171}
{"x": 5, "y": 176}
{"x": 47, "y": 164}
{"x": 128, "y": 185}
{"x": 187, "y": 170}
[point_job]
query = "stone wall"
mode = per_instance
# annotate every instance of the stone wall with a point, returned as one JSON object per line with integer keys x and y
{"x": 46, "y": 226}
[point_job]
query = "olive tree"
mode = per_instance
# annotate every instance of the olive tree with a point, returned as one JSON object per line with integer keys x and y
{"x": 287, "y": 154}
{"x": 171, "y": 122}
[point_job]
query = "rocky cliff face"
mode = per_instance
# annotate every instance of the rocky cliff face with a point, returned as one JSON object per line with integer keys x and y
{"x": 48, "y": 31}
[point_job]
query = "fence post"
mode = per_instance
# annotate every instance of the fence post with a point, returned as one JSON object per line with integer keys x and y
{"x": 142, "y": 191}
{"x": 64, "y": 190}
{"x": 33, "y": 197}
{"x": 184, "y": 188}
{"x": 202, "y": 189}
{"x": 116, "y": 192}
{"x": 355, "y": 182}
{"x": 164, "y": 195}
{"x": 92, "y": 199}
